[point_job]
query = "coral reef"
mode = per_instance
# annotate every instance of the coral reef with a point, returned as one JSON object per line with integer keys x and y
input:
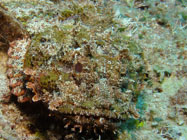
{"x": 92, "y": 68}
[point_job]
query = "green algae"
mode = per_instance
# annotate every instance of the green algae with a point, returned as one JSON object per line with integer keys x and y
{"x": 65, "y": 76}
{"x": 66, "y": 13}
{"x": 89, "y": 104}
{"x": 39, "y": 136}
{"x": 48, "y": 79}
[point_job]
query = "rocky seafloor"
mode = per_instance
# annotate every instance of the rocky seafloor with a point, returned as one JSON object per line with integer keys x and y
{"x": 119, "y": 64}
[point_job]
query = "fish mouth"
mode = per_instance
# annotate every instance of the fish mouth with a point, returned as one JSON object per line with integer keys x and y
{"x": 95, "y": 113}
{"x": 89, "y": 120}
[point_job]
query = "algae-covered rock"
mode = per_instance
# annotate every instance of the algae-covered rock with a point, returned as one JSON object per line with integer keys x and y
{"x": 10, "y": 31}
{"x": 10, "y": 28}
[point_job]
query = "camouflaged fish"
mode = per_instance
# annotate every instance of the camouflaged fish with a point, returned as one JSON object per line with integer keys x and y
{"x": 82, "y": 68}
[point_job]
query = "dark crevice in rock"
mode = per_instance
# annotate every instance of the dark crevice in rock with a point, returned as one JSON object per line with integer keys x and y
{"x": 10, "y": 29}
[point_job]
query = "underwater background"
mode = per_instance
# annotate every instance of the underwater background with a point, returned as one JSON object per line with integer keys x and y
{"x": 93, "y": 70}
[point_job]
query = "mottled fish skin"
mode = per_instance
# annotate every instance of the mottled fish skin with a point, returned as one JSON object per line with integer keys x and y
{"x": 79, "y": 68}
{"x": 15, "y": 64}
